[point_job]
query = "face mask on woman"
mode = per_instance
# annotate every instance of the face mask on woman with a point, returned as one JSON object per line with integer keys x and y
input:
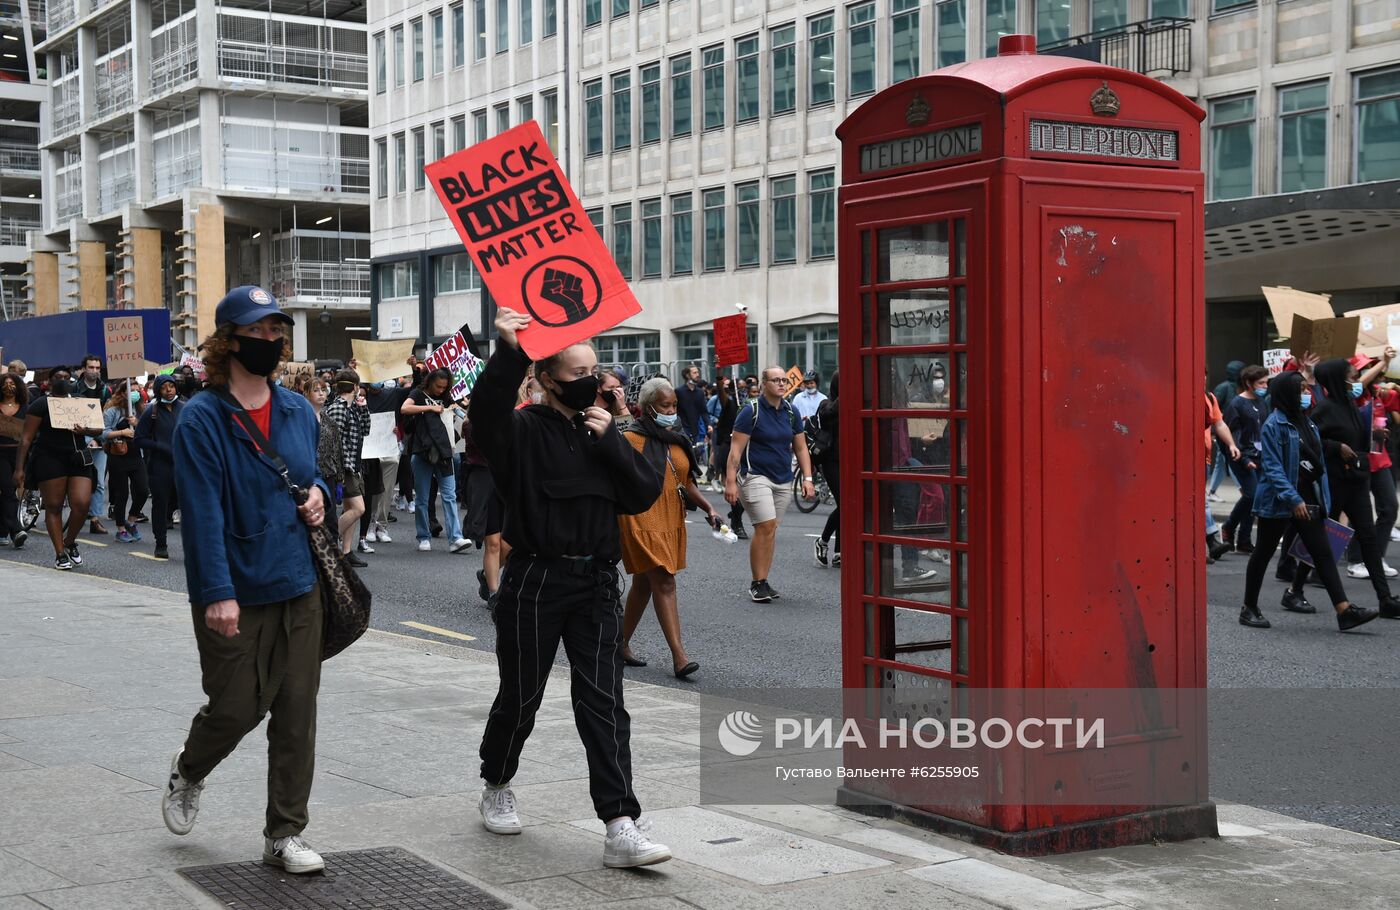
{"x": 135, "y": 397}
{"x": 259, "y": 356}
{"x": 665, "y": 420}
{"x": 1357, "y": 390}
{"x": 1306, "y": 401}
{"x": 578, "y": 393}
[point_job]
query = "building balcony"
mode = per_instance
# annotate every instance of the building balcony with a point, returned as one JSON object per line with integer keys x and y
{"x": 15, "y": 224}
{"x": 174, "y": 53}
{"x": 321, "y": 268}
{"x": 67, "y": 110}
{"x": 294, "y": 50}
{"x": 39, "y": 13}
{"x": 115, "y": 190}
{"x": 61, "y": 14}
{"x": 69, "y": 202}
{"x": 283, "y": 161}
{"x": 113, "y": 90}
{"x": 177, "y": 173}
{"x": 1153, "y": 47}
{"x": 19, "y": 161}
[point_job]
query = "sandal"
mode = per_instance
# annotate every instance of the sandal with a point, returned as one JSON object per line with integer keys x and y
{"x": 631, "y": 661}
{"x": 688, "y": 669}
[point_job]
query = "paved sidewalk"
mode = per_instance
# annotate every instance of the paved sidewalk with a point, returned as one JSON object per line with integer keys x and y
{"x": 98, "y": 680}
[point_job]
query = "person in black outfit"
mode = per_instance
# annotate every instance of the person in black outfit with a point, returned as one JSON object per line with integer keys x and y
{"x": 126, "y": 471}
{"x": 155, "y": 433}
{"x": 564, "y": 473}
{"x": 826, "y": 422}
{"x": 1244, "y": 415}
{"x": 724, "y": 437}
{"x": 1346, "y": 440}
{"x": 14, "y": 400}
{"x": 1293, "y": 492}
{"x": 690, "y": 405}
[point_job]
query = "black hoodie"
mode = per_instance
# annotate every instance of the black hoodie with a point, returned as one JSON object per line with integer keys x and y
{"x": 1341, "y": 423}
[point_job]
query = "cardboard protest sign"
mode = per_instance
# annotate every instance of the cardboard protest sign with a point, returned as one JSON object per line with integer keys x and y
{"x": 1327, "y": 338}
{"x": 377, "y": 361}
{"x": 294, "y": 368}
{"x": 194, "y": 363}
{"x": 1338, "y": 536}
{"x": 531, "y": 239}
{"x": 1274, "y": 360}
{"x": 1285, "y": 303}
{"x": 125, "y": 346}
{"x": 67, "y": 413}
{"x": 1379, "y": 329}
{"x": 794, "y": 376}
{"x": 381, "y": 441}
{"x": 457, "y": 355}
{"x": 731, "y": 340}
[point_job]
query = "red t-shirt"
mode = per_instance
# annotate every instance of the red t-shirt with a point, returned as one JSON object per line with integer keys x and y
{"x": 263, "y": 418}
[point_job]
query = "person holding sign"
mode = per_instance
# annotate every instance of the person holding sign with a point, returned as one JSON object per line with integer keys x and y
{"x": 430, "y": 446}
{"x": 62, "y": 466}
{"x": 565, "y": 474}
{"x": 155, "y": 436}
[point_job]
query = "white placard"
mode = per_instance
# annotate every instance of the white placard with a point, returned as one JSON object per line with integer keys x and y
{"x": 381, "y": 441}
{"x": 67, "y": 413}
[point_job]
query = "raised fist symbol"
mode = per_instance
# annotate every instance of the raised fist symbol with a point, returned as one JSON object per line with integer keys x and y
{"x": 564, "y": 289}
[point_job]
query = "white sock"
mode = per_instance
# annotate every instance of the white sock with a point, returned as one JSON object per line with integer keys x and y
{"x": 494, "y": 788}
{"x": 617, "y": 825}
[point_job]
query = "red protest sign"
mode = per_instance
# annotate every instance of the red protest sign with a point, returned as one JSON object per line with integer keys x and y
{"x": 731, "y": 340}
{"x": 531, "y": 239}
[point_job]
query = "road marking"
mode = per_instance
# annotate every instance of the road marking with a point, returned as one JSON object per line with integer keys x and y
{"x": 147, "y": 556}
{"x": 811, "y": 535}
{"x": 92, "y": 543}
{"x": 447, "y": 633}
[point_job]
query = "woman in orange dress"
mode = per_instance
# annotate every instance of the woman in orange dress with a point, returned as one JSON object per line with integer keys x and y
{"x": 653, "y": 543}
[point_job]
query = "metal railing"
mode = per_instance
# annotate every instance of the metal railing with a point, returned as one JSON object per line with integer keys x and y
{"x": 15, "y": 231}
{"x": 69, "y": 202}
{"x": 113, "y": 191}
{"x": 67, "y": 113}
{"x": 280, "y": 171}
{"x": 19, "y": 158}
{"x": 61, "y": 14}
{"x": 174, "y": 55}
{"x": 176, "y": 174}
{"x": 39, "y": 13}
{"x": 1150, "y": 47}
{"x": 346, "y": 282}
{"x": 263, "y": 63}
{"x": 113, "y": 86}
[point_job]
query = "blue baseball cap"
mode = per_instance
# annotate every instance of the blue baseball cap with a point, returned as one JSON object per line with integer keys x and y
{"x": 247, "y": 304}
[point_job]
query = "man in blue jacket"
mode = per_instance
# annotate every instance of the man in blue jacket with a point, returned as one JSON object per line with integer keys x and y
{"x": 155, "y": 435}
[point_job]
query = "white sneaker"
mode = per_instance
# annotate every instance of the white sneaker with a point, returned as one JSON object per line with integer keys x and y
{"x": 1390, "y": 571}
{"x": 371, "y": 536}
{"x": 1395, "y": 533}
{"x": 424, "y": 546}
{"x": 180, "y": 802}
{"x": 293, "y": 854}
{"x": 631, "y": 847}
{"x": 364, "y": 545}
{"x": 1212, "y": 497}
{"x": 383, "y": 533}
{"x": 498, "y": 810}
{"x": 1358, "y": 570}
{"x": 175, "y": 517}
{"x": 460, "y": 544}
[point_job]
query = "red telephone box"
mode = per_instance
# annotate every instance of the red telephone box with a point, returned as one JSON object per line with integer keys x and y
{"x": 1021, "y": 316}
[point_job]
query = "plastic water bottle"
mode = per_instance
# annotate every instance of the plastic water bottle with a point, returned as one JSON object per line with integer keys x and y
{"x": 720, "y": 531}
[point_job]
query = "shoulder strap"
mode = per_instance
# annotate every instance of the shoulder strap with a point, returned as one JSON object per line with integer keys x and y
{"x": 250, "y": 426}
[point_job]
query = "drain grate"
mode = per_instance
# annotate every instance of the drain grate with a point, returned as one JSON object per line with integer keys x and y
{"x": 386, "y": 878}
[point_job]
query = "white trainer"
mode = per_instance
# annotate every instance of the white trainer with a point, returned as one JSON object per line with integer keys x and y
{"x": 293, "y": 854}
{"x": 631, "y": 847}
{"x": 1395, "y": 533}
{"x": 424, "y": 546}
{"x": 364, "y": 546}
{"x": 383, "y": 533}
{"x": 1358, "y": 570}
{"x": 180, "y": 803}
{"x": 498, "y": 810}
{"x": 460, "y": 544}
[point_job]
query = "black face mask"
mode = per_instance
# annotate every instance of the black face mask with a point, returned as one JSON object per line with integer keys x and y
{"x": 61, "y": 387}
{"x": 259, "y": 356}
{"x": 578, "y": 394}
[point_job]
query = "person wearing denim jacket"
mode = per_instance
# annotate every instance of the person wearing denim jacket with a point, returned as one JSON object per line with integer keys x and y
{"x": 1293, "y": 492}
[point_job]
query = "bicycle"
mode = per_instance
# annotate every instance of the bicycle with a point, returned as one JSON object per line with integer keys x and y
{"x": 807, "y": 506}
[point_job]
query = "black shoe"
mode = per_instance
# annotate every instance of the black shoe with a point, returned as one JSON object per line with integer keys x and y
{"x": 1250, "y": 616}
{"x": 393, "y": 517}
{"x": 760, "y": 593}
{"x": 1354, "y": 616}
{"x": 1227, "y": 536}
{"x": 74, "y": 555}
{"x": 1295, "y": 602}
{"x": 355, "y": 561}
{"x": 482, "y": 588}
{"x": 688, "y": 669}
{"x": 633, "y": 661}
{"x": 1215, "y": 547}
{"x": 18, "y": 538}
{"x": 161, "y": 552}
{"x": 740, "y": 533}
{"x": 435, "y": 530}
{"x": 139, "y": 518}
{"x": 1390, "y": 607}
{"x": 772, "y": 590}
{"x": 1244, "y": 547}
{"x": 62, "y": 562}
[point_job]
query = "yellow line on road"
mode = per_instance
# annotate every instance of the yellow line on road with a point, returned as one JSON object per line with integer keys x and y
{"x": 88, "y": 542}
{"x": 146, "y": 556}
{"x": 447, "y": 633}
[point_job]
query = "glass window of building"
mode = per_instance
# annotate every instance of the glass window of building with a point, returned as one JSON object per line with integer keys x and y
{"x": 381, "y": 162}
{"x": 439, "y": 141}
{"x": 1378, "y": 126}
{"x": 439, "y": 43}
{"x": 459, "y": 133}
{"x": 714, "y": 230}
{"x": 459, "y": 35}
{"x": 622, "y": 239}
{"x": 420, "y": 156}
{"x": 682, "y": 235}
{"x": 904, "y": 40}
{"x": 502, "y": 117}
{"x": 527, "y": 21}
{"x": 783, "y": 50}
{"x": 647, "y": 4}
{"x": 748, "y": 222}
{"x": 712, "y": 73}
{"x": 455, "y": 274}
{"x": 622, "y": 111}
{"x": 1302, "y": 137}
{"x": 550, "y": 26}
{"x": 626, "y": 350}
{"x": 525, "y": 109}
{"x": 593, "y": 117}
{"x": 821, "y": 60}
{"x": 821, "y": 221}
{"x": 860, "y": 47}
{"x": 398, "y": 280}
{"x": 1232, "y": 147}
{"x": 479, "y": 127}
{"x": 782, "y": 193}
{"x": 952, "y": 32}
{"x": 549, "y": 101}
{"x": 811, "y": 347}
{"x": 502, "y": 26}
{"x": 746, "y": 85}
{"x": 621, "y": 8}
{"x": 399, "y": 63}
{"x": 682, "y": 104}
{"x": 651, "y": 238}
{"x": 1051, "y": 21}
{"x": 400, "y": 163}
{"x": 1107, "y": 14}
{"x": 381, "y": 66}
{"x": 1175, "y": 9}
{"x": 1001, "y": 20}
{"x": 479, "y": 29}
{"x": 1222, "y": 5}
{"x": 651, "y": 103}
{"x": 595, "y": 217}
{"x": 592, "y": 12}
{"x": 416, "y": 26}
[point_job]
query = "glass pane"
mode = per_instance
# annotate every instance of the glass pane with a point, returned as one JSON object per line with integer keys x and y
{"x": 1001, "y": 20}
{"x": 962, "y": 602}
{"x": 1051, "y": 21}
{"x": 916, "y": 573}
{"x": 1232, "y": 161}
{"x": 960, "y": 246}
{"x": 960, "y": 636}
{"x": 914, "y": 381}
{"x": 952, "y": 32}
{"x": 821, "y": 49}
{"x": 871, "y": 569}
{"x": 1378, "y": 140}
{"x": 868, "y": 504}
{"x": 904, "y": 47}
{"x": 960, "y": 429}
{"x": 913, "y": 253}
{"x": 1303, "y": 151}
{"x": 962, "y": 382}
{"x": 867, "y": 384}
{"x": 915, "y": 445}
{"x": 869, "y": 631}
{"x": 916, "y": 509}
{"x": 680, "y": 96}
{"x": 860, "y": 38}
{"x": 1107, "y": 14}
{"x": 919, "y": 637}
{"x": 914, "y": 318}
{"x": 960, "y": 314}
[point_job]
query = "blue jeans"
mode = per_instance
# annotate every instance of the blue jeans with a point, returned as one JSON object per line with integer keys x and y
{"x": 98, "y": 506}
{"x": 1221, "y": 468}
{"x": 446, "y": 473}
{"x": 1241, "y": 519}
{"x": 1211, "y": 525}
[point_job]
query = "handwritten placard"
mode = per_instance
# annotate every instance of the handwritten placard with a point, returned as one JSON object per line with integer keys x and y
{"x": 731, "y": 340}
{"x": 1274, "y": 360}
{"x": 377, "y": 361}
{"x": 794, "y": 376}
{"x": 67, "y": 413}
{"x": 125, "y": 346}
{"x": 381, "y": 441}
{"x": 457, "y": 357}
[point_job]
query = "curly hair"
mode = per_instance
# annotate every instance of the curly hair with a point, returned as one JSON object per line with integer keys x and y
{"x": 216, "y": 352}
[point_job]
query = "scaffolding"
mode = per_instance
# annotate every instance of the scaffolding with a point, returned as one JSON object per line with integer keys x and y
{"x": 271, "y": 47}
{"x": 112, "y": 80}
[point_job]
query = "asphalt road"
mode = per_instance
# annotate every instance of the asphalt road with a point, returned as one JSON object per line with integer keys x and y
{"x": 795, "y": 641}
